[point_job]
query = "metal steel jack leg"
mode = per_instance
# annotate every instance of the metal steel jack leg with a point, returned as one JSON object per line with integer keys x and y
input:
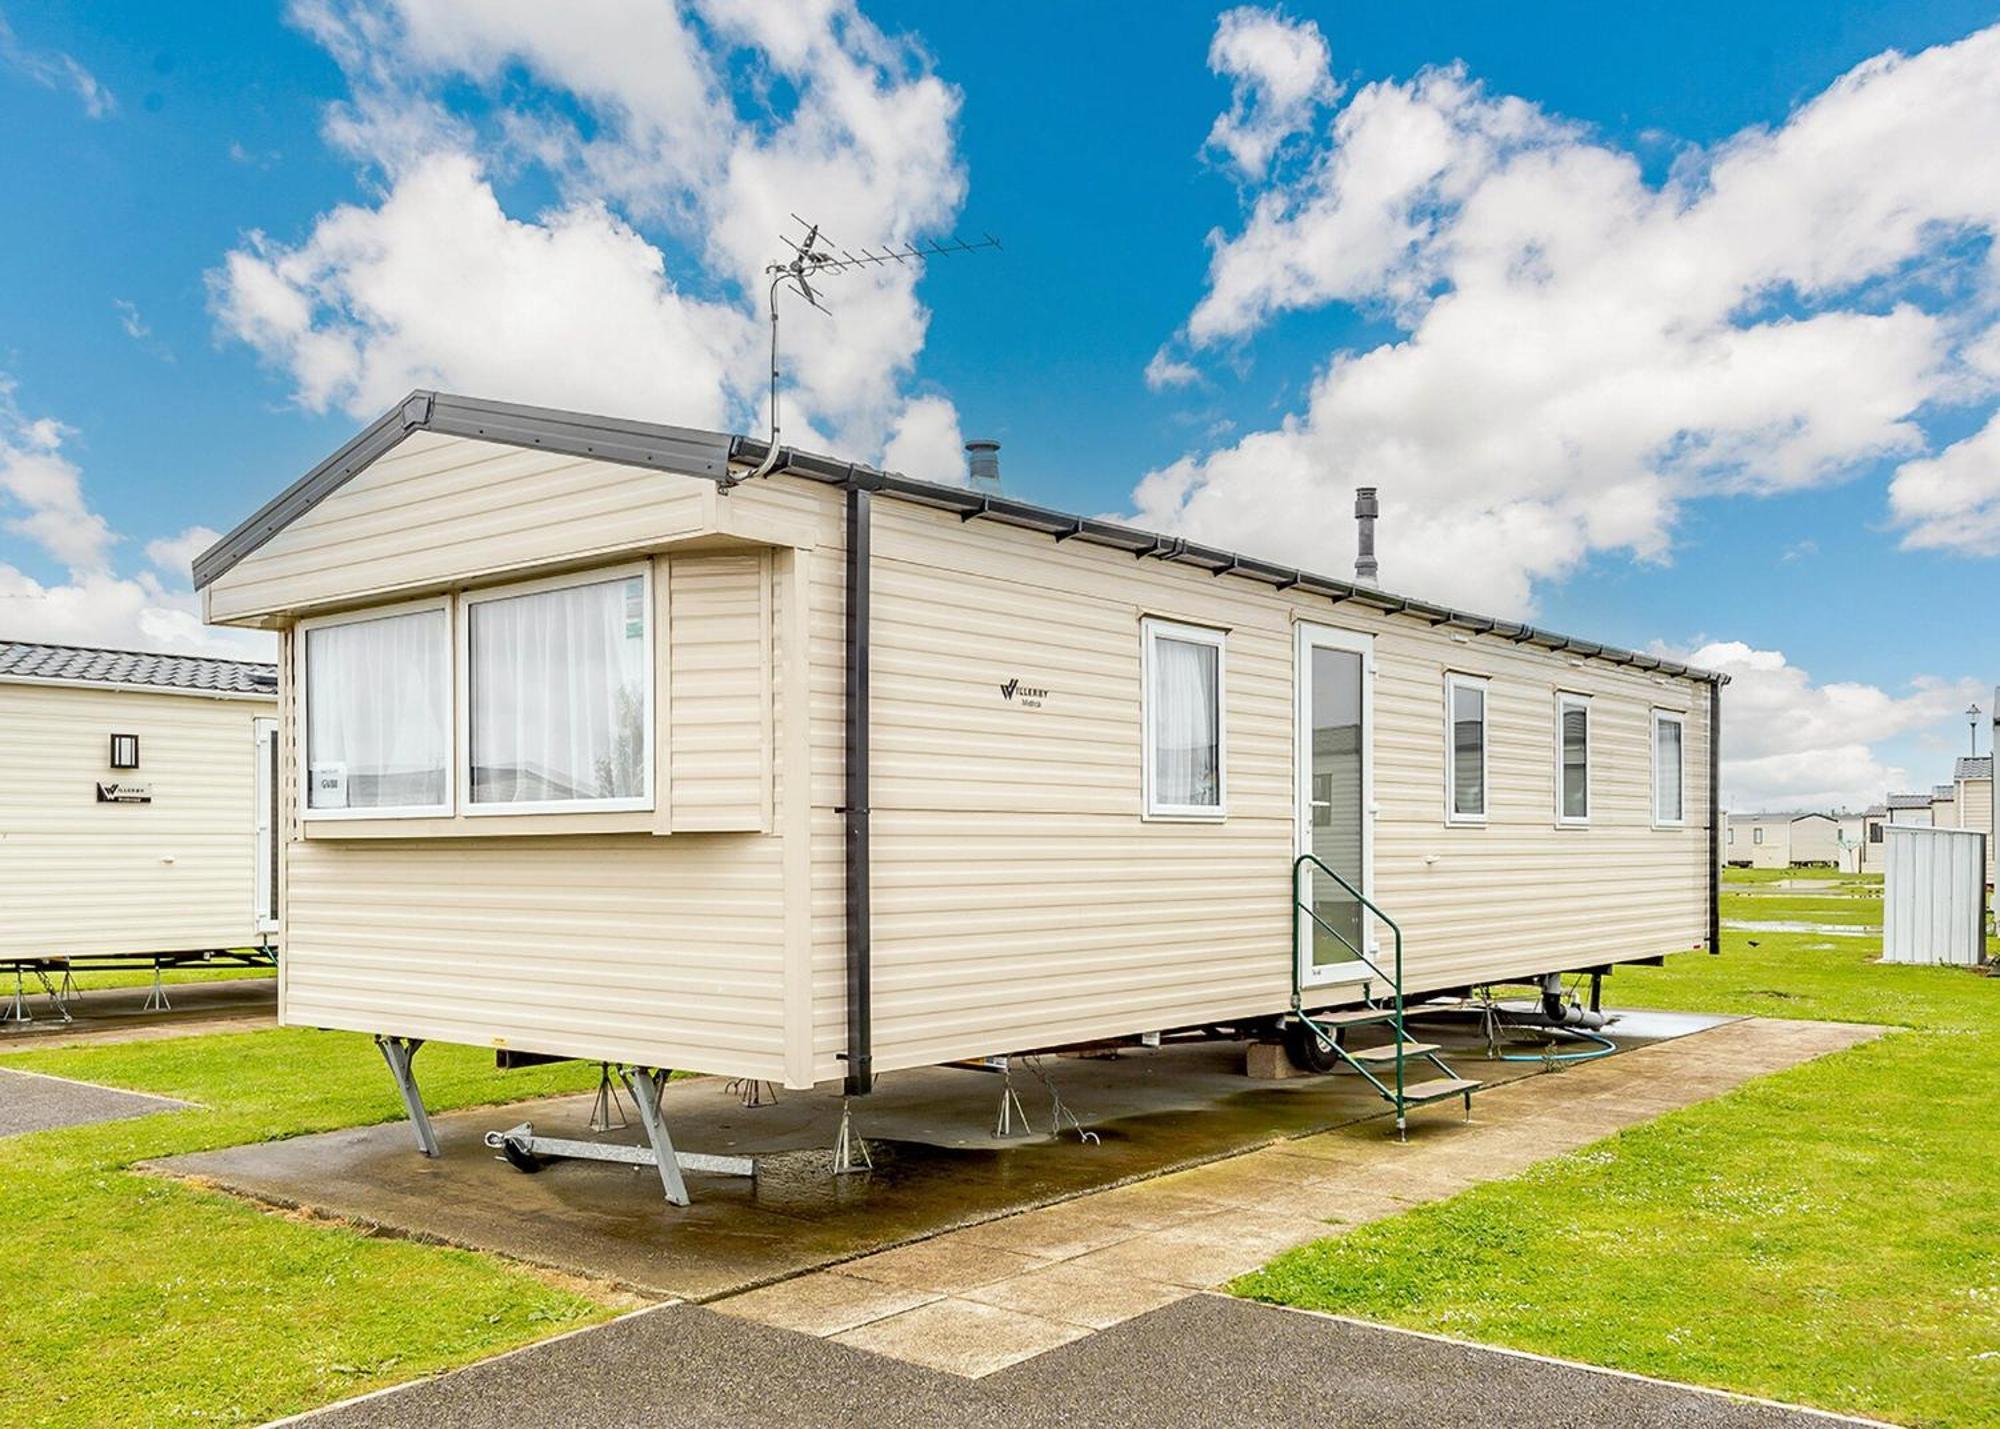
{"x": 156, "y": 1000}
{"x": 646, "y": 1084}
{"x": 1010, "y": 1107}
{"x": 606, "y": 1106}
{"x": 399, "y": 1053}
{"x": 846, "y": 1144}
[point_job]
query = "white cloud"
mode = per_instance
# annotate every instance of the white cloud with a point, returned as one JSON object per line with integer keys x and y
{"x": 1951, "y": 502}
{"x": 1582, "y": 351}
{"x": 42, "y": 499}
{"x": 1791, "y": 744}
{"x": 52, "y": 69}
{"x": 656, "y": 126}
{"x": 1279, "y": 80}
{"x": 926, "y": 443}
{"x": 1165, "y": 371}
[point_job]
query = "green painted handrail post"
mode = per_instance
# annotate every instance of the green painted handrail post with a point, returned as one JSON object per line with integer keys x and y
{"x": 1301, "y": 905}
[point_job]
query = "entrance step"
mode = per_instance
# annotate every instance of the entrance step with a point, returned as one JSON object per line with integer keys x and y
{"x": 1387, "y": 1052}
{"x": 1421, "y": 1093}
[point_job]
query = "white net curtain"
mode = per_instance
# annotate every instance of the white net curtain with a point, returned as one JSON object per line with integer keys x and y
{"x": 1187, "y": 744}
{"x": 378, "y": 728}
{"x": 558, "y": 684}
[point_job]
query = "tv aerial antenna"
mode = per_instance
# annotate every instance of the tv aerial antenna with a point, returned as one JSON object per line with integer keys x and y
{"x": 816, "y": 256}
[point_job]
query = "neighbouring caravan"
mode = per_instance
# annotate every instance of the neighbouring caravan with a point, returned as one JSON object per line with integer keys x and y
{"x": 136, "y": 809}
{"x": 1874, "y": 822}
{"x": 1973, "y": 777}
{"x": 595, "y": 748}
{"x": 1759, "y": 840}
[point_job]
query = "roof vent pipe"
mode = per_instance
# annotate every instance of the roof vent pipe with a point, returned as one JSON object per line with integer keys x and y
{"x": 1365, "y": 512}
{"x": 983, "y": 461}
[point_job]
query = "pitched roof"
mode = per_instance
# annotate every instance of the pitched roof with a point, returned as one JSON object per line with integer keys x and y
{"x": 689, "y": 452}
{"x": 1974, "y": 768}
{"x": 20, "y": 660}
{"x": 1874, "y": 810}
{"x": 1944, "y": 791}
{"x": 1909, "y": 801}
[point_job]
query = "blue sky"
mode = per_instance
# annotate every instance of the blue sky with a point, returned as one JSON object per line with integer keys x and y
{"x": 176, "y": 370}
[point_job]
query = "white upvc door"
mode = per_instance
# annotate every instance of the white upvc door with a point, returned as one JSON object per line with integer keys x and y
{"x": 266, "y": 883}
{"x": 1334, "y": 725}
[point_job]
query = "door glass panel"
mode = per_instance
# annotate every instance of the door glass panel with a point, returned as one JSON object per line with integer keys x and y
{"x": 1336, "y": 812}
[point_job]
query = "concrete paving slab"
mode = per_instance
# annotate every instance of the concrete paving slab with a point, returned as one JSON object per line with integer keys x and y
{"x": 30, "y": 1101}
{"x": 1076, "y": 1295}
{"x": 962, "y": 1337}
{"x": 825, "y": 1302}
{"x": 1201, "y": 1361}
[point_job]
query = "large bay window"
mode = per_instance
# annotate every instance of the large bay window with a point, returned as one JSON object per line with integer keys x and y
{"x": 377, "y": 717}
{"x": 529, "y": 699}
{"x": 559, "y": 695}
{"x": 1183, "y": 775}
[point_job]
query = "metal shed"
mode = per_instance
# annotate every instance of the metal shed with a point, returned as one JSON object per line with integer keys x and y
{"x": 1934, "y": 902}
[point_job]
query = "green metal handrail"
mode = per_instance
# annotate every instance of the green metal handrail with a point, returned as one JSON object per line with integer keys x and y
{"x": 1300, "y": 905}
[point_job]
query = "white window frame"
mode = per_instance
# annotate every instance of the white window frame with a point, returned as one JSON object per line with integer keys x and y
{"x": 1757, "y": 835}
{"x": 1567, "y": 700}
{"x": 641, "y": 803}
{"x": 1453, "y": 681}
{"x": 303, "y": 684}
{"x": 1679, "y": 720}
{"x": 1152, "y": 630}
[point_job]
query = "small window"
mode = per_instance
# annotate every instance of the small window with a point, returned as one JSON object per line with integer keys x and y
{"x": 1756, "y": 836}
{"x": 1465, "y": 735}
{"x": 1669, "y": 784}
{"x": 1874, "y": 833}
{"x": 1572, "y": 759}
{"x": 378, "y": 714}
{"x": 1183, "y": 752}
{"x": 559, "y": 683}
{"x": 124, "y": 751}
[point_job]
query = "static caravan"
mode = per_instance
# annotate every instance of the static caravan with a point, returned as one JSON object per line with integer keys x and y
{"x": 1814, "y": 841}
{"x": 137, "y": 808}
{"x": 1874, "y": 820}
{"x": 644, "y": 745}
{"x": 1944, "y": 806}
{"x": 1910, "y": 811}
{"x": 1760, "y": 840}
{"x": 1973, "y": 778}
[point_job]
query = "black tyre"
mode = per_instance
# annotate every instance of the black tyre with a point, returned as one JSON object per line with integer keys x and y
{"x": 1307, "y": 1052}
{"x": 519, "y": 1157}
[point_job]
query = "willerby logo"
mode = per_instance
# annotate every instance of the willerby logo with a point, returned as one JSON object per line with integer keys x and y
{"x": 1030, "y": 696}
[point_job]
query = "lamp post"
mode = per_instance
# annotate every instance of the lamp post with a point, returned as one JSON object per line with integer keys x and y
{"x": 1972, "y": 719}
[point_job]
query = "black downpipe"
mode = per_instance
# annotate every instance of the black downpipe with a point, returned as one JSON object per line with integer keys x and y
{"x": 1715, "y": 818}
{"x": 860, "y": 947}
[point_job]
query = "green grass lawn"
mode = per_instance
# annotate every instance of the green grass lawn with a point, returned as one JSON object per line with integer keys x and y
{"x": 1830, "y": 878}
{"x": 88, "y": 982}
{"x": 1828, "y": 1235}
{"x": 1846, "y": 911}
{"x": 128, "y": 1298}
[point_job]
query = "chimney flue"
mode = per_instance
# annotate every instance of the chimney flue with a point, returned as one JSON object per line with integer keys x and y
{"x": 983, "y": 465}
{"x": 1365, "y": 512}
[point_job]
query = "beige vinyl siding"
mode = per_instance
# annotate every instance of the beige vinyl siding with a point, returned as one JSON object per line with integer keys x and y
{"x": 1815, "y": 839}
{"x": 436, "y": 510}
{"x": 1975, "y": 806}
{"x": 718, "y": 734}
{"x": 1020, "y": 898}
{"x": 78, "y": 877}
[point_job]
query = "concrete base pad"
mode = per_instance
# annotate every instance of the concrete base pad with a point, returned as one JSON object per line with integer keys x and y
{"x": 937, "y": 1163}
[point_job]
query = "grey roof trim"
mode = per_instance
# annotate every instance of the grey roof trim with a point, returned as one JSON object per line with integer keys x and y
{"x": 697, "y": 453}
{"x": 1909, "y": 801}
{"x": 1147, "y": 545}
{"x": 676, "y": 449}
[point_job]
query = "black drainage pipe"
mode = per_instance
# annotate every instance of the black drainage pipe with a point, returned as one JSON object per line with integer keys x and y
{"x": 860, "y": 946}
